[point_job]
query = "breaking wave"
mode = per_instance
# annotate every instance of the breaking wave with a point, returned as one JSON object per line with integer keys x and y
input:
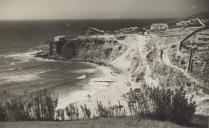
{"x": 81, "y": 77}
{"x": 25, "y": 57}
{"x": 90, "y": 70}
{"x": 20, "y": 77}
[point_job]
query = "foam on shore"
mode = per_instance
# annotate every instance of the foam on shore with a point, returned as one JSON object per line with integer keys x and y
{"x": 25, "y": 57}
{"x": 95, "y": 85}
{"x": 21, "y": 77}
{"x": 90, "y": 70}
{"x": 81, "y": 77}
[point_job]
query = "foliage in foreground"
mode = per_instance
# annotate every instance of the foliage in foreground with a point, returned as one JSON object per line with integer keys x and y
{"x": 156, "y": 103}
{"x": 40, "y": 105}
{"x": 161, "y": 104}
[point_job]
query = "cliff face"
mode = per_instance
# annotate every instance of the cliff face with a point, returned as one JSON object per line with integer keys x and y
{"x": 99, "y": 49}
{"x": 96, "y": 48}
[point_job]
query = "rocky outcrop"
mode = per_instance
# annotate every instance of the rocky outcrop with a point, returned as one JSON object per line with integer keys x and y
{"x": 100, "y": 48}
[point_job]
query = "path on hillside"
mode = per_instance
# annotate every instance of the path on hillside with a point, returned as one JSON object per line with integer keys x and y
{"x": 141, "y": 41}
{"x": 199, "y": 99}
{"x": 166, "y": 60}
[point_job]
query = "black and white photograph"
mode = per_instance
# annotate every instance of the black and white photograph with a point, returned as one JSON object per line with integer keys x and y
{"x": 104, "y": 63}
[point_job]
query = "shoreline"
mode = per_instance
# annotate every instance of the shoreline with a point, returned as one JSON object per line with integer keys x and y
{"x": 96, "y": 86}
{"x": 107, "y": 88}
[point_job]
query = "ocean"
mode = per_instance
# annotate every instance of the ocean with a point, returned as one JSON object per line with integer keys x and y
{"x": 20, "y": 72}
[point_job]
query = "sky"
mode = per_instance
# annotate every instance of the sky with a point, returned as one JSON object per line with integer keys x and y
{"x": 99, "y": 9}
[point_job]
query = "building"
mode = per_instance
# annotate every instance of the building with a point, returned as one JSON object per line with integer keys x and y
{"x": 95, "y": 31}
{"x": 55, "y": 46}
{"x": 59, "y": 38}
{"x": 159, "y": 26}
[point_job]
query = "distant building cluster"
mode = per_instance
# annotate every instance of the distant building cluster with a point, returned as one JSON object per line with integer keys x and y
{"x": 130, "y": 30}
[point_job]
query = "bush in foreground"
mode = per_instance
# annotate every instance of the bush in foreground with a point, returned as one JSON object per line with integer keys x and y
{"x": 39, "y": 105}
{"x": 156, "y": 103}
{"x": 161, "y": 104}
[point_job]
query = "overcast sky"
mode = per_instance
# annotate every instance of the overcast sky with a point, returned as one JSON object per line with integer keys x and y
{"x": 100, "y": 9}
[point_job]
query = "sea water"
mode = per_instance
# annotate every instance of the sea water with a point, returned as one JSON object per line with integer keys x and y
{"x": 21, "y": 72}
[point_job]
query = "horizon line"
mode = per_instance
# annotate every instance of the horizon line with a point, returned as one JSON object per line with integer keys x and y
{"x": 87, "y": 19}
{"x": 59, "y": 19}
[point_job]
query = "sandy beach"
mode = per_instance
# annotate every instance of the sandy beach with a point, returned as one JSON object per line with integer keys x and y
{"x": 107, "y": 89}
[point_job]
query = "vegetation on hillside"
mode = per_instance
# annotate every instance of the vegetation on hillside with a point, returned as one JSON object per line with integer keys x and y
{"x": 161, "y": 104}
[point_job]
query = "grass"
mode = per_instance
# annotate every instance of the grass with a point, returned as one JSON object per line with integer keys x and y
{"x": 95, "y": 123}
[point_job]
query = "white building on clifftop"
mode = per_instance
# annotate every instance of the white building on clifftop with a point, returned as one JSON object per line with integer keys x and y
{"x": 159, "y": 26}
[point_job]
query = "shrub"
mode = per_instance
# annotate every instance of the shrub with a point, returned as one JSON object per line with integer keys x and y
{"x": 161, "y": 104}
{"x": 119, "y": 47}
{"x": 107, "y": 52}
{"x": 102, "y": 111}
{"x": 182, "y": 109}
{"x": 72, "y": 112}
{"x": 39, "y": 105}
{"x": 117, "y": 110}
{"x": 86, "y": 112}
{"x": 138, "y": 102}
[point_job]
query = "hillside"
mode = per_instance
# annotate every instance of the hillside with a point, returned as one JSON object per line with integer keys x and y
{"x": 152, "y": 58}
